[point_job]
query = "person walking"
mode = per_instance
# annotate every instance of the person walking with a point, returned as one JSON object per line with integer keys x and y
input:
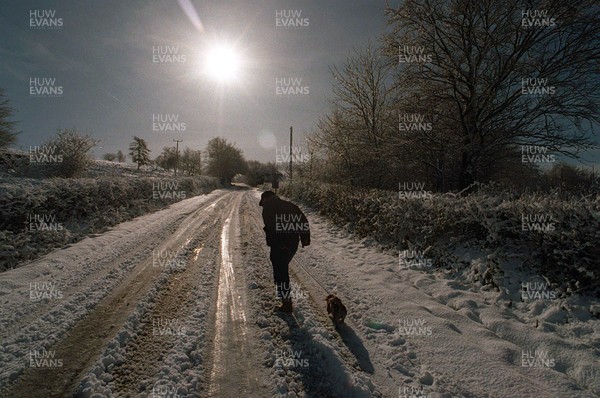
{"x": 285, "y": 227}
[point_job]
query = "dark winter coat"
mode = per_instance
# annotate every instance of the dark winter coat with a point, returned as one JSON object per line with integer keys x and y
{"x": 285, "y": 224}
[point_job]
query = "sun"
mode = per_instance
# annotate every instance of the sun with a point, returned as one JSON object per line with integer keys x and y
{"x": 222, "y": 63}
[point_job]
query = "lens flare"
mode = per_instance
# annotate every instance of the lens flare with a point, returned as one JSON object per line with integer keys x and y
{"x": 190, "y": 11}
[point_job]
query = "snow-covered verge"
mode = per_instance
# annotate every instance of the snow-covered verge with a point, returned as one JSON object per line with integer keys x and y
{"x": 555, "y": 235}
{"x": 441, "y": 332}
{"x": 43, "y": 301}
{"x": 40, "y": 215}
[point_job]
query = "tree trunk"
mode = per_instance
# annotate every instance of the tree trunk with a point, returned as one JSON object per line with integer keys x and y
{"x": 466, "y": 178}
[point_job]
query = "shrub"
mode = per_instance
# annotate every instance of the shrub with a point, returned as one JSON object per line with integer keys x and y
{"x": 72, "y": 148}
{"x": 490, "y": 218}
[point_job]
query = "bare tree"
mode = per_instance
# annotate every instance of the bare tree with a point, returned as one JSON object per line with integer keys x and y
{"x": 498, "y": 74}
{"x": 354, "y": 135}
{"x": 167, "y": 158}
{"x": 71, "y": 148}
{"x": 190, "y": 161}
{"x": 7, "y": 127}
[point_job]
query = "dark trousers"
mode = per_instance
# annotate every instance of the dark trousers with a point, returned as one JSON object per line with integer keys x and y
{"x": 280, "y": 258}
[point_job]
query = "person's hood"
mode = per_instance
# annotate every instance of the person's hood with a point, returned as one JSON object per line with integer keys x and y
{"x": 266, "y": 196}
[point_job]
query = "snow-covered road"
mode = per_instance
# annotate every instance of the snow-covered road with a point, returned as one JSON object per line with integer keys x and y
{"x": 179, "y": 303}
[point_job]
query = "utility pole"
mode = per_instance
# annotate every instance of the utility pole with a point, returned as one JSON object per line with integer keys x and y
{"x": 291, "y": 136}
{"x": 218, "y": 162}
{"x": 177, "y": 154}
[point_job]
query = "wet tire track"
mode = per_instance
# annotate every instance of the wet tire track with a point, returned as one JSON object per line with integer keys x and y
{"x": 233, "y": 370}
{"x": 170, "y": 318}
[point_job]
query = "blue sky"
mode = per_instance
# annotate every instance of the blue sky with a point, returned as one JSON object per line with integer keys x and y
{"x": 102, "y": 57}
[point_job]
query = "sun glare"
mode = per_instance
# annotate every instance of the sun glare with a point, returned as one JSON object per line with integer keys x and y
{"x": 222, "y": 63}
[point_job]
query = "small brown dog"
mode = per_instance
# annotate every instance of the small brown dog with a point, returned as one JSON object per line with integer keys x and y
{"x": 336, "y": 309}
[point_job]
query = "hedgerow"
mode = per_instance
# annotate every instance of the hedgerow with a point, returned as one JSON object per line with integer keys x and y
{"x": 567, "y": 254}
{"x": 78, "y": 207}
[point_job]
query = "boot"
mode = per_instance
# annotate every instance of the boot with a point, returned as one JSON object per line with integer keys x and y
{"x": 286, "y": 306}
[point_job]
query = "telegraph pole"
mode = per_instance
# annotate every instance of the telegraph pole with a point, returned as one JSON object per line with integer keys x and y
{"x": 218, "y": 144}
{"x": 291, "y": 137}
{"x": 177, "y": 154}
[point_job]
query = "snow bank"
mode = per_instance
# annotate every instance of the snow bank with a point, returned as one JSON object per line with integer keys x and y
{"x": 40, "y": 215}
